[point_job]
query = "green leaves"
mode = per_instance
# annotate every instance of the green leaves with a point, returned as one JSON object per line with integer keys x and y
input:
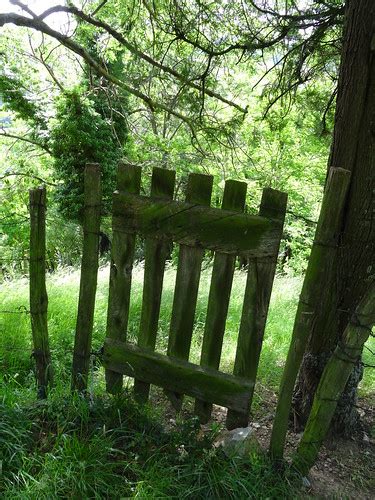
{"x": 79, "y": 135}
{"x": 15, "y": 99}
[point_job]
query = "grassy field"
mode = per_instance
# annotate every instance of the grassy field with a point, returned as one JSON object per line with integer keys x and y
{"x": 68, "y": 447}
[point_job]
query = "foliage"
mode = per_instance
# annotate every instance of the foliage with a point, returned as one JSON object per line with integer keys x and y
{"x": 15, "y": 100}
{"x": 81, "y": 135}
{"x": 92, "y": 118}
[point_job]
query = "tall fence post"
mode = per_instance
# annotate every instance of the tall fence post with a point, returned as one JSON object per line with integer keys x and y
{"x": 333, "y": 381}
{"x": 38, "y": 291}
{"x": 321, "y": 263}
{"x": 89, "y": 275}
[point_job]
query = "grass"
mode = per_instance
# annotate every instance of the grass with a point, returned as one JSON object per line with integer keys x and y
{"x": 69, "y": 447}
{"x": 15, "y": 340}
{"x": 111, "y": 448}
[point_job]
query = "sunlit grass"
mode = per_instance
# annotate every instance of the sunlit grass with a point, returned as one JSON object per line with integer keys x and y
{"x": 70, "y": 447}
{"x": 63, "y": 287}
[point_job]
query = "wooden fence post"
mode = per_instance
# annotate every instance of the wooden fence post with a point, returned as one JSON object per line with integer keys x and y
{"x": 321, "y": 262}
{"x": 89, "y": 275}
{"x": 333, "y": 381}
{"x": 38, "y": 292}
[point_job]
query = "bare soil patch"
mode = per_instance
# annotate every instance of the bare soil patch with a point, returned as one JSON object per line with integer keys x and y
{"x": 345, "y": 467}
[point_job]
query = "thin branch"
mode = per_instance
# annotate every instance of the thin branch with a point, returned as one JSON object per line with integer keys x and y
{"x": 302, "y": 17}
{"x": 25, "y": 139}
{"x": 100, "y": 6}
{"x": 246, "y": 46}
{"x": 327, "y": 108}
{"x": 23, "y": 174}
{"x": 302, "y": 217}
{"x": 23, "y": 7}
{"x": 138, "y": 53}
{"x": 39, "y": 25}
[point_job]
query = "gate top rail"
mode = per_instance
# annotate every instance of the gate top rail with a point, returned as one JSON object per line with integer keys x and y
{"x": 196, "y": 225}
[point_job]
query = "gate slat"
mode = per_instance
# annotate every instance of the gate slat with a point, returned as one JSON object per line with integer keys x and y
{"x": 198, "y": 191}
{"x": 177, "y": 375}
{"x": 156, "y": 253}
{"x": 258, "y": 290}
{"x": 128, "y": 180}
{"x": 218, "y": 301}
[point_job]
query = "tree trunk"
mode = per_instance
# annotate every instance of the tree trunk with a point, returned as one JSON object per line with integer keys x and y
{"x": 353, "y": 148}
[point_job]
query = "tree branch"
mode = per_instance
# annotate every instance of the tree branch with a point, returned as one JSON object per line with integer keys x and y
{"x": 300, "y": 17}
{"x": 39, "y": 25}
{"x": 135, "y": 51}
{"x": 100, "y": 6}
{"x": 23, "y": 174}
{"x": 25, "y": 139}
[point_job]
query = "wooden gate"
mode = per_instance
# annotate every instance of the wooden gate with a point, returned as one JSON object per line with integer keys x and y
{"x": 195, "y": 227}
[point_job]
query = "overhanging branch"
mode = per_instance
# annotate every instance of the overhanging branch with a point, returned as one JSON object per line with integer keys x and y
{"x": 135, "y": 51}
{"x": 39, "y": 25}
{"x": 25, "y": 139}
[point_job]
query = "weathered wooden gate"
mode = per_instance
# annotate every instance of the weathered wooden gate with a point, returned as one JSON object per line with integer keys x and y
{"x": 195, "y": 227}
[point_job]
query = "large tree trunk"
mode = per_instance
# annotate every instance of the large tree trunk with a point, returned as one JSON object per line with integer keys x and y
{"x": 353, "y": 149}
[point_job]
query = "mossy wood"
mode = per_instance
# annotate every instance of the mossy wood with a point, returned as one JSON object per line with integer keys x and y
{"x": 177, "y": 375}
{"x": 333, "y": 381}
{"x": 88, "y": 279}
{"x": 218, "y": 300}
{"x": 260, "y": 276}
{"x": 156, "y": 253}
{"x": 321, "y": 263}
{"x": 196, "y": 227}
{"x": 123, "y": 244}
{"x": 38, "y": 291}
{"x": 199, "y": 189}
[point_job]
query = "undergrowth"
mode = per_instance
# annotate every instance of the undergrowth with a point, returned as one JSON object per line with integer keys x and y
{"x": 102, "y": 447}
{"x": 69, "y": 447}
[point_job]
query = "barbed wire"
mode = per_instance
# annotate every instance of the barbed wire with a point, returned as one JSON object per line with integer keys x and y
{"x": 21, "y": 310}
{"x": 368, "y": 348}
{"x": 95, "y": 354}
{"x": 26, "y": 220}
{"x": 16, "y": 259}
{"x": 302, "y": 217}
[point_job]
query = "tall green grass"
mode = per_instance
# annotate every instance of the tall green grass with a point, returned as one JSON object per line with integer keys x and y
{"x": 15, "y": 338}
{"x": 101, "y": 447}
{"x": 68, "y": 447}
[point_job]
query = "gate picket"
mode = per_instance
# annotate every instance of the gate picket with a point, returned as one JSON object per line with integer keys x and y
{"x": 199, "y": 190}
{"x": 129, "y": 180}
{"x": 156, "y": 253}
{"x": 218, "y": 301}
{"x": 260, "y": 275}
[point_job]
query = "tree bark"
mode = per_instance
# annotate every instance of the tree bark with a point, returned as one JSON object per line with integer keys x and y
{"x": 353, "y": 149}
